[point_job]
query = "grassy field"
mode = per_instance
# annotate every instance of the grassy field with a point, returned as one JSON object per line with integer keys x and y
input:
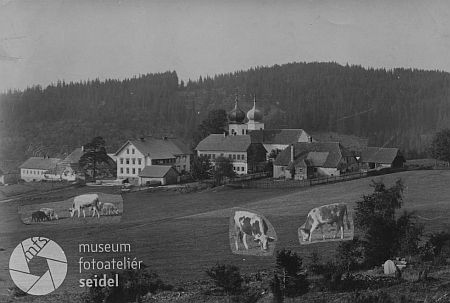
{"x": 181, "y": 235}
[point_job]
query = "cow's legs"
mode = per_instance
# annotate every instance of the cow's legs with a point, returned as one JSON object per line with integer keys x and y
{"x": 313, "y": 228}
{"x": 339, "y": 228}
{"x": 244, "y": 240}
{"x": 84, "y": 213}
{"x": 321, "y": 230}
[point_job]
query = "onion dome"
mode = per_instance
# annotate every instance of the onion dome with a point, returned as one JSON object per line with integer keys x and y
{"x": 236, "y": 115}
{"x": 255, "y": 114}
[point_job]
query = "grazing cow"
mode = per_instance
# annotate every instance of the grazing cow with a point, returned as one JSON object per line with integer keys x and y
{"x": 327, "y": 214}
{"x": 108, "y": 208}
{"x": 39, "y": 216}
{"x": 247, "y": 223}
{"x": 85, "y": 201}
{"x": 50, "y": 212}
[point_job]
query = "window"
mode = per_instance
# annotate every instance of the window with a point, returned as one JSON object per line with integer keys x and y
{"x": 184, "y": 167}
{"x": 134, "y": 171}
{"x": 128, "y": 170}
{"x": 243, "y": 132}
{"x": 127, "y": 160}
{"x": 121, "y": 170}
{"x": 229, "y": 156}
{"x": 243, "y": 157}
{"x": 121, "y": 160}
{"x": 132, "y": 151}
{"x": 128, "y": 151}
{"x": 234, "y": 157}
{"x": 139, "y": 170}
{"x": 214, "y": 156}
{"x": 239, "y": 157}
{"x": 139, "y": 161}
{"x": 234, "y": 168}
{"x": 133, "y": 161}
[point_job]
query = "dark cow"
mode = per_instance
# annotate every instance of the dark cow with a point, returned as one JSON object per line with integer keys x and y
{"x": 327, "y": 214}
{"x": 247, "y": 223}
{"x": 39, "y": 216}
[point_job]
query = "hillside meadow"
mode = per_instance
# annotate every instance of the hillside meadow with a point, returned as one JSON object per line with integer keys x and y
{"x": 180, "y": 235}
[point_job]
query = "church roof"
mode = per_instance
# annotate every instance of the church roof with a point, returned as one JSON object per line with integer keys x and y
{"x": 73, "y": 157}
{"x": 220, "y": 142}
{"x": 322, "y": 154}
{"x": 276, "y": 136}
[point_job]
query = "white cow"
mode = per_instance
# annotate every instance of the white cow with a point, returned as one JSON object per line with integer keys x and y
{"x": 108, "y": 208}
{"x": 85, "y": 201}
{"x": 247, "y": 223}
{"x": 50, "y": 212}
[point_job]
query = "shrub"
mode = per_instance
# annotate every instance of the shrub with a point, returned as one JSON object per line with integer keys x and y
{"x": 378, "y": 297}
{"x": 290, "y": 276}
{"x": 17, "y": 292}
{"x": 227, "y": 278}
{"x": 133, "y": 285}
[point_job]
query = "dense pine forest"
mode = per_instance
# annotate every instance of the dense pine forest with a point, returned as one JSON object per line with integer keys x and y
{"x": 399, "y": 107}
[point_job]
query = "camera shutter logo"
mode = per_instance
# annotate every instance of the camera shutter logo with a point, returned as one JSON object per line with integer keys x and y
{"x": 53, "y": 260}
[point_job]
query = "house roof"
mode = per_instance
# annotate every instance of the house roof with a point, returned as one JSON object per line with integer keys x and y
{"x": 156, "y": 171}
{"x": 220, "y": 142}
{"x": 159, "y": 148}
{"x": 40, "y": 163}
{"x": 324, "y": 154}
{"x": 379, "y": 155}
{"x": 276, "y": 136}
{"x": 73, "y": 157}
{"x": 351, "y": 142}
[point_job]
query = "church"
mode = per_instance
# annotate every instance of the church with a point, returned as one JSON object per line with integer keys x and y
{"x": 248, "y": 143}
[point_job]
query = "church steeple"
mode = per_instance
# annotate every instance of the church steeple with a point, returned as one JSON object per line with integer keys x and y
{"x": 254, "y": 115}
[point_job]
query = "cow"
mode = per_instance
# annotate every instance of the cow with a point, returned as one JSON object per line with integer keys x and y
{"x": 327, "y": 214}
{"x": 108, "y": 208}
{"x": 247, "y": 223}
{"x": 85, "y": 201}
{"x": 50, "y": 212}
{"x": 39, "y": 216}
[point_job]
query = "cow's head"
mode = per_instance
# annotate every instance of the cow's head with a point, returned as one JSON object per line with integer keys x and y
{"x": 305, "y": 233}
{"x": 71, "y": 211}
{"x": 263, "y": 241}
{"x": 56, "y": 216}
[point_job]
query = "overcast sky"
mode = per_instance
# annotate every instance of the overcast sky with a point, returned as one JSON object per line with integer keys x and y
{"x": 44, "y": 41}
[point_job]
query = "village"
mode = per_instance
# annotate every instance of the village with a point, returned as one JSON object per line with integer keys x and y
{"x": 293, "y": 154}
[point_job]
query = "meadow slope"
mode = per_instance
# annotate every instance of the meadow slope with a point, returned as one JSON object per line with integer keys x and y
{"x": 181, "y": 235}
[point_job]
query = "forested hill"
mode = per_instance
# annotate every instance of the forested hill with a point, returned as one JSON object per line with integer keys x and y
{"x": 400, "y": 107}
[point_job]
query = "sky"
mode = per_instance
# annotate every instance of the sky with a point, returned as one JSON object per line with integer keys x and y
{"x": 45, "y": 41}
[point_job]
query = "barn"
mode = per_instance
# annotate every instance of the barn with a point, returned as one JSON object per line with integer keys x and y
{"x": 381, "y": 157}
{"x": 159, "y": 173}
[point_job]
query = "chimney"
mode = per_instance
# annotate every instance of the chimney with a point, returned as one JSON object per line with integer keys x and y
{"x": 292, "y": 153}
{"x": 310, "y": 139}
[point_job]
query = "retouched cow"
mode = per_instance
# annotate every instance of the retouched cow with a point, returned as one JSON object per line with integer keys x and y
{"x": 327, "y": 214}
{"x": 247, "y": 223}
{"x": 50, "y": 212}
{"x": 108, "y": 208}
{"x": 39, "y": 216}
{"x": 85, "y": 201}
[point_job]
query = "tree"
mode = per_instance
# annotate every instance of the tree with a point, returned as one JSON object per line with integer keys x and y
{"x": 290, "y": 277}
{"x": 201, "y": 168}
{"x": 223, "y": 167}
{"x": 384, "y": 235}
{"x": 440, "y": 146}
{"x": 215, "y": 123}
{"x": 95, "y": 157}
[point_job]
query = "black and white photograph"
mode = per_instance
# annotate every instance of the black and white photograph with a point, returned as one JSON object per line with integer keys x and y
{"x": 224, "y": 151}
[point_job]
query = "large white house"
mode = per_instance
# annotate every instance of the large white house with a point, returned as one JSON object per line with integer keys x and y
{"x": 135, "y": 155}
{"x": 39, "y": 168}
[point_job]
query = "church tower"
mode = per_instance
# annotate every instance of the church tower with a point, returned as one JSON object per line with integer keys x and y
{"x": 255, "y": 117}
{"x": 236, "y": 117}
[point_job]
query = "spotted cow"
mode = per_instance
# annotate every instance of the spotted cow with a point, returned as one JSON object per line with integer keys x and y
{"x": 250, "y": 224}
{"x": 327, "y": 214}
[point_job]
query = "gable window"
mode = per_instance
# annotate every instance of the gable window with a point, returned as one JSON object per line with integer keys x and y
{"x": 139, "y": 161}
{"x": 132, "y": 151}
{"x": 128, "y": 150}
{"x": 121, "y": 160}
{"x": 121, "y": 170}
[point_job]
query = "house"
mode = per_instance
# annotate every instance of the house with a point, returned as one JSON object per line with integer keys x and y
{"x": 279, "y": 139}
{"x": 245, "y": 155}
{"x": 305, "y": 160}
{"x": 135, "y": 155}
{"x": 68, "y": 168}
{"x": 165, "y": 174}
{"x": 381, "y": 157}
{"x": 39, "y": 168}
{"x": 9, "y": 172}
